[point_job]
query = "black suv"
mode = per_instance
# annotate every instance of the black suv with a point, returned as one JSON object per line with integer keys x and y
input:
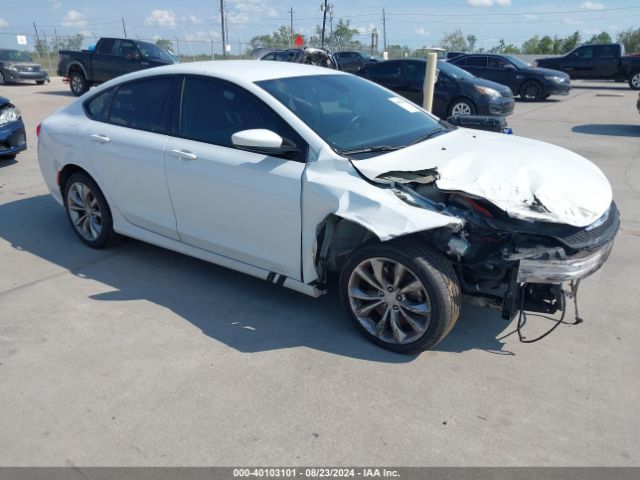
{"x": 353, "y": 61}
{"x": 532, "y": 84}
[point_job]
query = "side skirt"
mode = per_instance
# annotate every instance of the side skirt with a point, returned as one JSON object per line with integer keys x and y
{"x": 123, "y": 227}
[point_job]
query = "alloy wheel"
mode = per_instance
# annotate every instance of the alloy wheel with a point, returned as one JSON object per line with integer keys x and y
{"x": 76, "y": 83}
{"x": 635, "y": 80}
{"x": 389, "y": 300}
{"x": 461, "y": 108}
{"x": 84, "y": 211}
{"x": 532, "y": 92}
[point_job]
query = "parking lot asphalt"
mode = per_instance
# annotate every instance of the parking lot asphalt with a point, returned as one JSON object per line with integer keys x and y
{"x": 139, "y": 356}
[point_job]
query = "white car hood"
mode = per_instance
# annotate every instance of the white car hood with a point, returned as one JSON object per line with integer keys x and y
{"x": 527, "y": 179}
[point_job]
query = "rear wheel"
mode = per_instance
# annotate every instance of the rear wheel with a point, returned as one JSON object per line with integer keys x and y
{"x": 78, "y": 83}
{"x": 401, "y": 296}
{"x": 88, "y": 211}
{"x": 462, "y": 106}
{"x": 7, "y": 157}
{"x": 531, "y": 91}
{"x": 40, "y": 82}
{"x": 634, "y": 80}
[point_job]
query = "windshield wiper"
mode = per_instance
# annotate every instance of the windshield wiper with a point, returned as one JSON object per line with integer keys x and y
{"x": 430, "y": 135}
{"x": 375, "y": 148}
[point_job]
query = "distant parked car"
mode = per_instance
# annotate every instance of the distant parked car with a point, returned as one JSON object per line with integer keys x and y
{"x": 110, "y": 58}
{"x": 17, "y": 66}
{"x": 12, "y": 135}
{"x": 354, "y": 61}
{"x": 532, "y": 84}
{"x": 451, "y": 55}
{"x": 320, "y": 57}
{"x": 598, "y": 62}
{"x": 457, "y": 91}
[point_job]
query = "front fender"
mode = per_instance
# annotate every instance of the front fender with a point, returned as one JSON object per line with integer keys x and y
{"x": 333, "y": 187}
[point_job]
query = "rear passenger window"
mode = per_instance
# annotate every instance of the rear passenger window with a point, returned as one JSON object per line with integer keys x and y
{"x": 105, "y": 47}
{"x": 97, "y": 108}
{"x": 142, "y": 104}
{"x": 478, "y": 62}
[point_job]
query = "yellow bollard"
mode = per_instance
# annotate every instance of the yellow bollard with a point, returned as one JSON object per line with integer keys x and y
{"x": 429, "y": 81}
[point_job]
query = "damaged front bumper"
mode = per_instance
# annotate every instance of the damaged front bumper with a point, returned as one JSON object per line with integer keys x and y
{"x": 556, "y": 271}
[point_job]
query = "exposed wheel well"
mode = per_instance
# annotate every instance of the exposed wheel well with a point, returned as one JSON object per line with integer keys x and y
{"x": 75, "y": 69}
{"x": 66, "y": 172}
{"x": 336, "y": 239}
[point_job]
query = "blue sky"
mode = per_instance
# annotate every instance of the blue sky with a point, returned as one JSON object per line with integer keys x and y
{"x": 412, "y": 22}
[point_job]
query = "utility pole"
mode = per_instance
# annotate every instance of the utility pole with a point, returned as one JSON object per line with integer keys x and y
{"x": 374, "y": 41}
{"x": 324, "y": 20}
{"x": 124, "y": 28}
{"x": 291, "y": 27}
{"x": 35, "y": 29}
{"x": 384, "y": 30}
{"x": 224, "y": 41}
{"x": 330, "y": 26}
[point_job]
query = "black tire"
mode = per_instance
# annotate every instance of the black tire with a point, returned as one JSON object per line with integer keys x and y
{"x": 2, "y": 80}
{"x": 78, "y": 83}
{"x": 634, "y": 80}
{"x": 7, "y": 157}
{"x": 107, "y": 234}
{"x": 531, "y": 91}
{"x": 40, "y": 82}
{"x": 461, "y": 103}
{"x": 437, "y": 277}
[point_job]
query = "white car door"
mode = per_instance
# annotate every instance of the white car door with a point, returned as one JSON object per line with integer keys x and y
{"x": 126, "y": 149}
{"x": 232, "y": 202}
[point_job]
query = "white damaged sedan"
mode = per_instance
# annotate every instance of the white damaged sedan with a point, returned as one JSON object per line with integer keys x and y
{"x": 300, "y": 175}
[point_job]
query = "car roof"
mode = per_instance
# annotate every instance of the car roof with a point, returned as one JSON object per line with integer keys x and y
{"x": 237, "y": 71}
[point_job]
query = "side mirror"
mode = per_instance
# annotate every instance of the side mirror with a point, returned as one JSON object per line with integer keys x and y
{"x": 508, "y": 66}
{"x": 261, "y": 140}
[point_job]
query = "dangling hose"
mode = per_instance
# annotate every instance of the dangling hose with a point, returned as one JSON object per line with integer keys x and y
{"x": 522, "y": 318}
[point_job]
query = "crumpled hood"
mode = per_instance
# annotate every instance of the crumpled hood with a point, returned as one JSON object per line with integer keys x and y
{"x": 528, "y": 179}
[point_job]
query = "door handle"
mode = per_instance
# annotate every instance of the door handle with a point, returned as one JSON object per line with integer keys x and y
{"x": 184, "y": 154}
{"x": 100, "y": 138}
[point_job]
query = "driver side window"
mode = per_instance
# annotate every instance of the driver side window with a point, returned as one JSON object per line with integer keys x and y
{"x": 128, "y": 50}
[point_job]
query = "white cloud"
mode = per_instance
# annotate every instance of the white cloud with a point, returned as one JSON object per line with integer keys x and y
{"x": 421, "y": 31}
{"x": 192, "y": 19}
{"x": 589, "y": 5}
{"x": 163, "y": 18}
{"x": 489, "y": 3}
{"x": 245, "y": 11}
{"x": 3, "y": 23}
{"x": 55, "y": 3}
{"x": 74, "y": 18}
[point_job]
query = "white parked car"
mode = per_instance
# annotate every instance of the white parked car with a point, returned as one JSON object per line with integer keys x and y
{"x": 292, "y": 172}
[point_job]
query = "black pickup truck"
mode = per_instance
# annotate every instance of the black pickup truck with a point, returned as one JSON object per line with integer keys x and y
{"x": 598, "y": 62}
{"x": 110, "y": 58}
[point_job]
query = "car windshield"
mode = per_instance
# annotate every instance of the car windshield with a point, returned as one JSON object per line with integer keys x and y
{"x": 14, "y": 55}
{"x": 350, "y": 113}
{"x": 517, "y": 62}
{"x": 453, "y": 71}
{"x": 149, "y": 50}
{"x": 366, "y": 56}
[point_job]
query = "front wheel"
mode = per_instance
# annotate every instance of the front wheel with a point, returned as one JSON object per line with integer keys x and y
{"x": 531, "y": 91}
{"x": 88, "y": 211}
{"x": 40, "y": 82}
{"x": 462, "y": 106}
{"x": 400, "y": 295}
{"x": 634, "y": 81}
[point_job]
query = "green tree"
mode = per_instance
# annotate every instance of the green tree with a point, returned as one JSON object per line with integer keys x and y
{"x": 531, "y": 46}
{"x": 164, "y": 43}
{"x": 471, "y": 43}
{"x": 455, "y": 42}
{"x": 602, "y": 37}
{"x": 571, "y": 42}
{"x": 73, "y": 42}
{"x": 503, "y": 47}
{"x": 342, "y": 36}
{"x": 630, "y": 38}
{"x": 546, "y": 45}
{"x": 281, "y": 38}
